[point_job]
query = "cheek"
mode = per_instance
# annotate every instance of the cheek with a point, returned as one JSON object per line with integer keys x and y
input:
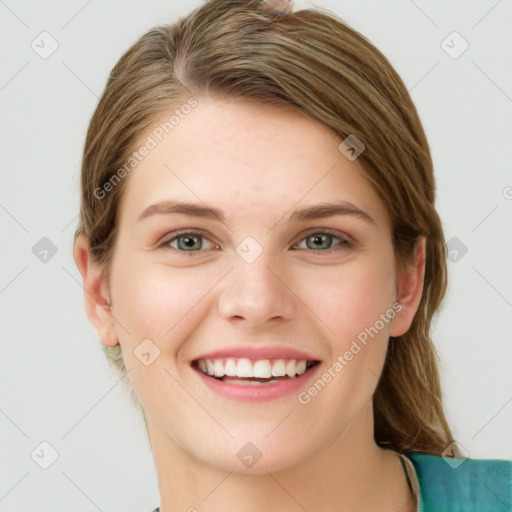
{"x": 350, "y": 298}
{"x": 350, "y": 304}
{"x": 151, "y": 300}
{"x": 161, "y": 304}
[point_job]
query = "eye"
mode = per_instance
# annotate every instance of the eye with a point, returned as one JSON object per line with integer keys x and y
{"x": 323, "y": 242}
{"x": 187, "y": 242}
{"x": 193, "y": 241}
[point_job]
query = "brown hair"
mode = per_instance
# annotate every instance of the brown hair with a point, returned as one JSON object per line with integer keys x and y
{"x": 313, "y": 62}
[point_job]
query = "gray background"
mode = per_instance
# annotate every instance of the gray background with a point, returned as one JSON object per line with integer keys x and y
{"x": 56, "y": 385}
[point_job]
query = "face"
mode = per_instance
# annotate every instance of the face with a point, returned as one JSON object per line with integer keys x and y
{"x": 252, "y": 269}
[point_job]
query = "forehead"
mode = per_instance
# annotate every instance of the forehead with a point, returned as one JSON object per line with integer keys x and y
{"x": 246, "y": 158}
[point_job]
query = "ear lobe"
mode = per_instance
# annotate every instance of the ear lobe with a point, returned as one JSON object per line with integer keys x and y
{"x": 409, "y": 290}
{"x": 96, "y": 292}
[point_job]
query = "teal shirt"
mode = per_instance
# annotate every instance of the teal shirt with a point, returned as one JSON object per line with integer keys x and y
{"x": 462, "y": 485}
{"x": 459, "y": 485}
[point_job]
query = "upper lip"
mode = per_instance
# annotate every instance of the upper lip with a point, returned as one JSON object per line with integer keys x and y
{"x": 258, "y": 353}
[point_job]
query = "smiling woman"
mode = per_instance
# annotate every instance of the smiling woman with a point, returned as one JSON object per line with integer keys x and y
{"x": 270, "y": 269}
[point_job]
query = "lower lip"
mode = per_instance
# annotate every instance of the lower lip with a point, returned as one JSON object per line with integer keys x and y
{"x": 255, "y": 393}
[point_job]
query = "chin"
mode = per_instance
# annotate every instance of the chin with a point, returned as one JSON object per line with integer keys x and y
{"x": 254, "y": 458}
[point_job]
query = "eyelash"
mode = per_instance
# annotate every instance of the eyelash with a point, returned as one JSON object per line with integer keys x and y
{"x": 344, "y": 242}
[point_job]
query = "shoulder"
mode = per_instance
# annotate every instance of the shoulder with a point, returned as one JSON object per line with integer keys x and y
{"x": 463, "y": 485}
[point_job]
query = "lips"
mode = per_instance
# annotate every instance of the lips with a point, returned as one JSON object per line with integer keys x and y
{"x": 247, "y": 366}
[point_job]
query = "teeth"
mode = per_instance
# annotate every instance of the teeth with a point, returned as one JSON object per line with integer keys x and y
{"x": 218, "y": 369}
{"x": 291, "y": 368}
{"x": 230, "y": 368}
{"x": 245, "y": 368}
{"x": 278, "y": 368}
{"x": 262, "y": 369}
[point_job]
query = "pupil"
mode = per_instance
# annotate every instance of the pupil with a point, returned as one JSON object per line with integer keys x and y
{"x": 320, "y": 240}
{"x": 188, "y": 241}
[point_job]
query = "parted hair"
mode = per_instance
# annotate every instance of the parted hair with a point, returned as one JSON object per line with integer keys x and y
{"x": 311, "y": 61}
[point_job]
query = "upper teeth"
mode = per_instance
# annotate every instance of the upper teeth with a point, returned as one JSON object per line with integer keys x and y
{"x": 243, "y": 367}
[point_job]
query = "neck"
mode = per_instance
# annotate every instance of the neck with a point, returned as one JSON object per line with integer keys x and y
{"x": 351, "y": 473}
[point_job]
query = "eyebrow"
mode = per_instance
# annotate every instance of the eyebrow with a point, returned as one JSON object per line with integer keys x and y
{"x": 317, "y": 211}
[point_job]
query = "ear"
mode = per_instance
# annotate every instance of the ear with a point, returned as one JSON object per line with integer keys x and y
{"x": 409, "y": 288}
{"x": 96, "y": 292}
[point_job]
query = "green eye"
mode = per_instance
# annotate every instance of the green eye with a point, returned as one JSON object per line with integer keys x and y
{"x": 187, "y": 242}
{"x": 191, "y": 242}
{"x": 321, "y": 241}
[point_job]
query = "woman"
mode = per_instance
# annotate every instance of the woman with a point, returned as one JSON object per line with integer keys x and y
{"x": 261, "y": 252}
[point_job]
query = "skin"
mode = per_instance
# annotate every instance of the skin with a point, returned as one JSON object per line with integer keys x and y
{"x": 256, "y": 163}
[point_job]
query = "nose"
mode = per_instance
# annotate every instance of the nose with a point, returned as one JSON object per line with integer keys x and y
{"x": 256, "y": 293}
